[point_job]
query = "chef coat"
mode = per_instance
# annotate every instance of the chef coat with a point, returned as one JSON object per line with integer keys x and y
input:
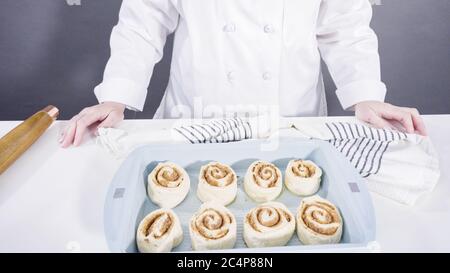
{"x": 244, "y": 54}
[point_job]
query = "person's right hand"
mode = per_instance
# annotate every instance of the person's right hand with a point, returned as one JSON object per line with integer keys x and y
{"x": 106, "y": 114}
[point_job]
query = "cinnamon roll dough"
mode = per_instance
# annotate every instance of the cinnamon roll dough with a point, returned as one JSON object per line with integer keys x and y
{"x": 213, "y": 227}
{"x": 302, "y": 177}
{"x": 269, "y": 224}
{"x": 263, "y": 181}
{"x": 217, "y": 182}
{"x": 318, "y": 222}
{"x": 159, "y": 231}
{"x": 168, "y": 185}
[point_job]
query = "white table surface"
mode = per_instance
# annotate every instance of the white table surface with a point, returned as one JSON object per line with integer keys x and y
{"x": 51, "y": 199}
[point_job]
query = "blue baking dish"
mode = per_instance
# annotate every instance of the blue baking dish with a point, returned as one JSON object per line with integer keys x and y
{"x": 127, "y": 202}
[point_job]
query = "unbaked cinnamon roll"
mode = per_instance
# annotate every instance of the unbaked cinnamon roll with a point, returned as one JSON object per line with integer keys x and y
{"x": 318, "y": 222}
{"x": 159, "y": 231}
{"x": 263, "y": 181}
{"x": 269, "y": 224}
{"x": 213, "y": 227}
{"x": 303, "y": 177}
{"x": 168, "y": 185}
{"x": 217, "y": 182}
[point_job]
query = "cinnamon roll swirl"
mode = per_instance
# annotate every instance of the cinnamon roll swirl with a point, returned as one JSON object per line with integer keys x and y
{"x": 159, "y": 231}
{"x": 318, "y": 222}
{"x": 263, "y": 181}
{"x": 303, "y": 177}
{"x": 269, "y": 224}
{"x": 213, "y": 227}
{"x": 168, "y": 185}
{"x": 217, "y": 182}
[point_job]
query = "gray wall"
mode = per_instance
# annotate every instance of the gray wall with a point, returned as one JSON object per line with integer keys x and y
{"x": 53, "y": 53}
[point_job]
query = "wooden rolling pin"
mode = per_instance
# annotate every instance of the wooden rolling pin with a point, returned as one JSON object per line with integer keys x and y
{"x": 19, "y": 139}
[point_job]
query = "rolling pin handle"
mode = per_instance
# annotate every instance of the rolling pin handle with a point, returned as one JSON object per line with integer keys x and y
{"x": 52, "y": 111}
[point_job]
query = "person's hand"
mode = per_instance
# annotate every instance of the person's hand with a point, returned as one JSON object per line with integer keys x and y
{"x": 106, "y": 114}
{"x": 385, "y": 115}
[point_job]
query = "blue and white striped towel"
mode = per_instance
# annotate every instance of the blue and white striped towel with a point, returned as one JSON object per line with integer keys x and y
{"x": 363, "y": 146}
{"x": 400, "y": 166}
{"x": 121, "y": 141}
{"x": 217, "y": 131}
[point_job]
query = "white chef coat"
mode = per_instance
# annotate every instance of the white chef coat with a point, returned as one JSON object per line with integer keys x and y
{"x": 242, "y": 53}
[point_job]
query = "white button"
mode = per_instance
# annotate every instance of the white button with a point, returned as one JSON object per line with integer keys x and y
{"x": 229, "y": 28}
{"x": 267, "y": 76}
{"x": 269, "y": 28}
{"x": 231, "y": 76}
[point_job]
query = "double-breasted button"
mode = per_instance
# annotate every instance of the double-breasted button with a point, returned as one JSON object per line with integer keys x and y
{"x": 231, "y": 76}
{"x": 266, "y": 76}
{"x": 229, "y": 27}
{"x": 269, "y": 28}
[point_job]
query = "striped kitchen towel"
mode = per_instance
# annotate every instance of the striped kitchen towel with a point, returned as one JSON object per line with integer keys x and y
{"x": 121, "y": 141}
{"x": 363, "y": 146}
{"x": 402, "y": 167}
{"x": 217, "y": 131}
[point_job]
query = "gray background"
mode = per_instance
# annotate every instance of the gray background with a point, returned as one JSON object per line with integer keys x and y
{"x": 53, "y": 53}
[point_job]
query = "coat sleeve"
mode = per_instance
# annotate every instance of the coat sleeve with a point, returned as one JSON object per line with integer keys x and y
{"x": 349, "y": 47}
{"x": 137, "y": 44}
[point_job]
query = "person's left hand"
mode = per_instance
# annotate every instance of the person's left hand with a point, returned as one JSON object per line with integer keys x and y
{"x": 385, "y": 115}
